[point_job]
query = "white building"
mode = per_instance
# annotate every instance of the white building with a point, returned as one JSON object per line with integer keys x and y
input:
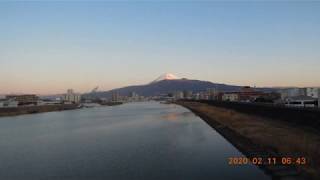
{"x": 72, "y": 97}
{"x": 178, "y": 95}
{"x": 196, "y": 96}
{"x": 204, "y": 96}
{"x": 313, "y": 92}
{"x": 8, "y": 103}
{"x": 292, "y": 92}
{"x": 230, "y": 97}
{"x": 12, "y": 103}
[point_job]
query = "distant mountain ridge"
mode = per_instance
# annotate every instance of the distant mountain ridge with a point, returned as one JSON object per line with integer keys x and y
{"x": 168, "y": 84}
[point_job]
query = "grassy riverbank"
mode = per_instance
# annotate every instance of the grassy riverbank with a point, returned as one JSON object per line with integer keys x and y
{"x": 260, "y": 136}
{"x": 35, "y": 109}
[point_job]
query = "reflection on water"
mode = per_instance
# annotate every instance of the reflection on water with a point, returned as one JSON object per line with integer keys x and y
{"x": 172, "y": 116}
{"x": 131, "y": 141}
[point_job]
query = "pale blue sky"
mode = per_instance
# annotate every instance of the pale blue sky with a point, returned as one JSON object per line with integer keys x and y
{"x": 47, "y": 47}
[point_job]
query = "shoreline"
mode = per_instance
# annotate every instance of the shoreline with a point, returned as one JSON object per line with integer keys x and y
{"x": 111, "y": 103}
{"x": 252, "y": 140}
{"x": 15, "y": 111}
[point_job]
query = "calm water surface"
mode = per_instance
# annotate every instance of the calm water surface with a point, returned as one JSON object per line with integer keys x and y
{"x": 131, "y": 142}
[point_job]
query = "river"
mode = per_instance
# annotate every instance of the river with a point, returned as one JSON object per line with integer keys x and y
{"x": 134, "y": 141}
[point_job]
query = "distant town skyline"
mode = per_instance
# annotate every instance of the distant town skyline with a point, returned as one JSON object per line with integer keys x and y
{"x": 49, "y": 47}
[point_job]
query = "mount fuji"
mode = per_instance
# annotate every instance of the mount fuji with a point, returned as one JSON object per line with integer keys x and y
{"x": 166, "y": 83}
{"x": 167, "y": 76}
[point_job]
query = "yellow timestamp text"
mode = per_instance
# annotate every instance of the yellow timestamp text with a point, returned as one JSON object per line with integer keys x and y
{"x": 267, "y": 160}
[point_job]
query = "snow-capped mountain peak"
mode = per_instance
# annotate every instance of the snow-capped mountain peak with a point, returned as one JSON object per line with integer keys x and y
{"x": 167, "y": 76}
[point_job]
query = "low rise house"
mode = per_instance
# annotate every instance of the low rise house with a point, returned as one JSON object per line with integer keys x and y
{"x": 25, "y": 99}
{"x": 272, "y": 97}
{"x": 230, "y": 96}
{"x": 10, "y": 103}
{"x": 249, "y": 94}
{"x": 187, "y": 94}
{"x": 5, "y": 103}
{"x": 204, "y": 96}
{"x": 212, "y": 93}
{"x": 196, "y": 96}
{"x": 246, "y": 94}
{"x": 178, "y": 95}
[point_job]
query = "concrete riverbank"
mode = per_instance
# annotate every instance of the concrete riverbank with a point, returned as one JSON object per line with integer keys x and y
{"x": 259, "y": 136}
{"x": 36, "y": 109}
